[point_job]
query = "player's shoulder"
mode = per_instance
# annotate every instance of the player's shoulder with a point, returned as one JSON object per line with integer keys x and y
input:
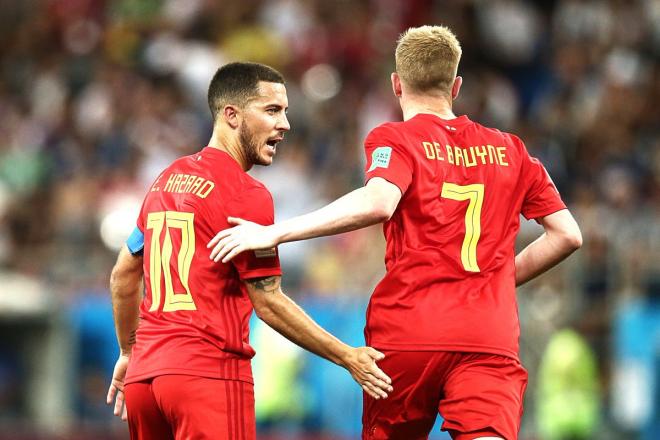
{"x": 499, "y": 137}
{"x": 176, "y": 164}
{"x": 252, "y": 184}
{"x": 253, "y": 189}
{"x": 389, "y": 132}
{"x": 182, "y": 164}
{"x": 226, "y": 171}
{"x": 386, "y": 127}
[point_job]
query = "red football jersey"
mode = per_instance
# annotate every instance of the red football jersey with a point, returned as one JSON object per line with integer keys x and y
{"x": 194, "y": 315}
{"x": 450, "y": 281}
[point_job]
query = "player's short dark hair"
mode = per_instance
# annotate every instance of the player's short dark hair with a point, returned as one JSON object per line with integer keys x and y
{"x": 237, "y": 84}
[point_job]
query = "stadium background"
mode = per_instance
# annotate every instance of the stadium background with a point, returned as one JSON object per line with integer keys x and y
{"x": 97, "y": 96}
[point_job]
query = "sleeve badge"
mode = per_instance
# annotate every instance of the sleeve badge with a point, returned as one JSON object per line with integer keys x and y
{"x": 380, "y": 158}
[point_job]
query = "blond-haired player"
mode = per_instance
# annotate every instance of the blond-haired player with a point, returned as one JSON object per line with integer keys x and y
{"x": 450, "y": 193}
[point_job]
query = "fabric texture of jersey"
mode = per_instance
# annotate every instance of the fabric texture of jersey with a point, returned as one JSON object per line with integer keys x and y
{"x": 450, "y": 281}
{"x": 195, "y": 312}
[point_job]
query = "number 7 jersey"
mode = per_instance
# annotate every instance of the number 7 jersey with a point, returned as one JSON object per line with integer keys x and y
{"x": 450, "y": 281}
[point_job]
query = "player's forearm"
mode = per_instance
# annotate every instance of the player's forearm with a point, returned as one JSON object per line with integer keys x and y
{"x": 285, "y": 316}
{"x": 355, "y": 210}
{"x": 561, "y": 238}
{"x": 541, "y": 255}
{"x": 126, "y": 307}
{"x": 292, "y": 322}
{"x": 126, "y": 311}
{"x": 126, "y": 294}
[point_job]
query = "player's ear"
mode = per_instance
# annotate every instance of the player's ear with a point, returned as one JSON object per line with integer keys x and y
{"x": 396, "y": 84}
{"x": 456, "y": 88}
{"x": 231, "y": 115}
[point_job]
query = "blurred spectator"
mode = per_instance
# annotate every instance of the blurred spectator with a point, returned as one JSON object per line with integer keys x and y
{"x": 568, "y": 395}
{"x": 96, "y": 96}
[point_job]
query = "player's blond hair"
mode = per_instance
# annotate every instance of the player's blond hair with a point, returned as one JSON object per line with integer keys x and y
{"x": 427, "y": 58}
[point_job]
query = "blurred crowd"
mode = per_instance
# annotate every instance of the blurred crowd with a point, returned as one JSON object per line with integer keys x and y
{"x": 97, "y": 96}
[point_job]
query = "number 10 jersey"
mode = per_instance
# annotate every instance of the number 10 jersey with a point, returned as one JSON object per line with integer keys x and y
{"x": 195, "y": 313}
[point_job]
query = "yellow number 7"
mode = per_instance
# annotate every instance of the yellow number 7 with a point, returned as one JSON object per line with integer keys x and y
{"x": 475, "y": 194}
{"x": 159, "y": 261}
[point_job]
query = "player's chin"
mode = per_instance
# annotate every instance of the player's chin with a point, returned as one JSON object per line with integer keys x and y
{"x": 266, "y": 157}
{"x": 265, "y": 160}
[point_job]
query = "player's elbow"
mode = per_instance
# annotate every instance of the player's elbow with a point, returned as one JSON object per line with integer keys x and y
{"x": 380, "y": 213}
{"x": 118, "y": 275}
{"x": 264, "y": 304}
{"x": 119, "y": 279}
{"x": 261, "y": 307}
{"x": 571, "y": 239}
{"x": 380, "y": 199}
{"x": 265, "y": 308}
{"x": 574, "y": 240}
{"x": 562, "y": 228}
{"x": 381, "y": 208}
{"x": 124, "y": 279}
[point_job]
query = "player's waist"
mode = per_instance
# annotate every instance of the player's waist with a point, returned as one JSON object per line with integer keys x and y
{"x": 206, "y": 340}
{"x": 503, "y": 350}
{"x": 230, "y": 368}
{"x": 457, "y": 324}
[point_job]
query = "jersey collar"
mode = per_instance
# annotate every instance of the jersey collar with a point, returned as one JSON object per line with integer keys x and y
{"x": 456, "y": 122}
{"x": 216, "y": 153}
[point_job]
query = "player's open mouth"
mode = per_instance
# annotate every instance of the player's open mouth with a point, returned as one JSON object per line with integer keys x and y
{"x": 273, "y": 142}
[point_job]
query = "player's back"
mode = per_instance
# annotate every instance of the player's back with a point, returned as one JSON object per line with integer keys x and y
{"x": 194, "y": 317}
{"x": 450, "y": 282}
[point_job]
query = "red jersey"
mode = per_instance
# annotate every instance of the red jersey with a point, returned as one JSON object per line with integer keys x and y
{"x": 450, "y": 281}
{"x": 195, "y": 312}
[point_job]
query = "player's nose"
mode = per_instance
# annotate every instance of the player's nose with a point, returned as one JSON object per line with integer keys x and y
{"x": 283, "y": 123}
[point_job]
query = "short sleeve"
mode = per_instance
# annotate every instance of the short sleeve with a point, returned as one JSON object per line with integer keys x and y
{"x": 135, "y": 242}
{"x": 255, "y": 205}
{"x": 387, "y": 158}
{"x": 541, "y": 196}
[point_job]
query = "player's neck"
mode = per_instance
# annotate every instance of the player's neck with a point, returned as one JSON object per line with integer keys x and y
{"x": 230, "y": 145}
{"x": 434, "y": 105}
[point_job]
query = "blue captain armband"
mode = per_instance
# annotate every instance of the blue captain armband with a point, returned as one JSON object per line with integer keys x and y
{"x": 135, "y": 242}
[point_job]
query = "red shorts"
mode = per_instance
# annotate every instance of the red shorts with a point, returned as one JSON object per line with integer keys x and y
{"x": 190, "y": 407}
{"x": 477, "y": 394}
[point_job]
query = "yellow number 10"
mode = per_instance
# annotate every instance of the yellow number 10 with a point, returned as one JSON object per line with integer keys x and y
{"x": 475, "y": 194}
{"x": 159, "y": 262}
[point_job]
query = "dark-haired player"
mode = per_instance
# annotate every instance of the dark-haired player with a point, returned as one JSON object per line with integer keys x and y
{"x": 184, "y": 367}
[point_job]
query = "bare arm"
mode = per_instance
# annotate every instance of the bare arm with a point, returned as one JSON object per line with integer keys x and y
{"x": 125, "y": 289}
{"x": 561, "y": 238}
{"x": 284, "y": 315}
{"x": 126, "y": 292}
{"x": 366, "y": 206}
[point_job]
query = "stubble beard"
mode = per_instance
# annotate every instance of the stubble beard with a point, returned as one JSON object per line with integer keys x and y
{"x": 250, "y": 146}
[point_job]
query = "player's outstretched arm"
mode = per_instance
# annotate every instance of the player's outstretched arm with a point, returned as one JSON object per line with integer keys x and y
{"x": 371, "y": 204}
{"x": 125, "y": 289}
{"x": 561, "y": 238}
{"x": 284, "y": 315}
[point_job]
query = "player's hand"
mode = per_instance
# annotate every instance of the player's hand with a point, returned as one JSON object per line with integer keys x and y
{"x": 243, "y": 237}
{"x": 116, "y": 390}
{"x": 361, "y": 363}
